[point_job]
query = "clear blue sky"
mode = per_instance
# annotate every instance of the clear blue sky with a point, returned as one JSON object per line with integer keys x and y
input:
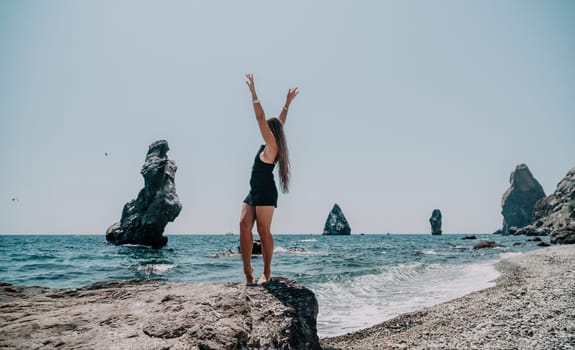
{"x": 405, "y": 106}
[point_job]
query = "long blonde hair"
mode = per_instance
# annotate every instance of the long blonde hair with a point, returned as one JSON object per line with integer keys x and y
{"x": 277, "y": 129}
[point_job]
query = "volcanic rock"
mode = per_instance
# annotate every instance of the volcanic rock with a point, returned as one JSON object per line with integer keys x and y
{"x": 435, "y": 221}
{"x": 336, "y": 223}
{"x": 469, "y": 237}
{"x": 145, "y": 218}
{"x": 519, "y": 200}
{"x": 486, "y": 244}
{"x": 555, "y": 214}
{"x": 156, "y": 315}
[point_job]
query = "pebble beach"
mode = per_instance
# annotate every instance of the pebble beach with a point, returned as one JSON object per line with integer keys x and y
{"x": 532, "y": 306}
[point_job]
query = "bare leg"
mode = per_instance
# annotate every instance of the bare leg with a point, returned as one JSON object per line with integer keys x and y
{"x": 247, "y": 219}
{"x": 264, "y": 216}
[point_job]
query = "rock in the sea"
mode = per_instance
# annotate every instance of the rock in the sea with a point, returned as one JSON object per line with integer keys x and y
{"x": 156, "y": 315}
{"x": 555, "y": 214}
{"x": 486, "y": 244}
{"x": 519, "y": 200}
{"x": 469, "y": 237}
{"x": 145, "y": 218}
{"x": 336, "y": 223}
{"x": 435, "y": 221}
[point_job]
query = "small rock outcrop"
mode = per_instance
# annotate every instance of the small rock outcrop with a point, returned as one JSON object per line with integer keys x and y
{"x": 486, "y": 244}
{"x": 555, "y": 214}
{"x": 256, "y": 247}
{"x": 156, "y": 315}
{"x": 519, "y": 200}
{"x": 336, "y": 223}
{"x": 145, "y": 218}
{"x": 435, "y": 221}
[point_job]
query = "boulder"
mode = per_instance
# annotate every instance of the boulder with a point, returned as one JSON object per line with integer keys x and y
{"x": 157, "y": 315}
{"x": 565, "y": 235}
{"x": 469, "y": 237}
{"x": 486, "y": 244}
{"x": 435, "y": 221}
{"x": 519, "y": 200}
{"x": 144, "y": 219}
{"x": 336, "y": 223}
{"x": 554, "y": 215}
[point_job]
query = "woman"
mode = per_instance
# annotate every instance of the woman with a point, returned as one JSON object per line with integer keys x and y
{"x": 260, "y": 203}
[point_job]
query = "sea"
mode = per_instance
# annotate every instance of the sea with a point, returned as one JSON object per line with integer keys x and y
{"x": 359, "y": 280}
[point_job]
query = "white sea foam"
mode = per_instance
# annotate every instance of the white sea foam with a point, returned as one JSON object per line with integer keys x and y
{"x": 294, "y": 250}
{"x": 311, "y": 240}
{"x": 155, "y": 269}
{"x": 372, "y": 299}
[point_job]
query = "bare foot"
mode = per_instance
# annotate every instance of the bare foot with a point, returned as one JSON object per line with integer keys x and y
{"x": 263, "y": 280}
{"x": 250, "y": 280}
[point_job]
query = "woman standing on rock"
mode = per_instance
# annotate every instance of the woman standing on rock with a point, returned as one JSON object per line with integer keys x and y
{"x": 261, "y": 201}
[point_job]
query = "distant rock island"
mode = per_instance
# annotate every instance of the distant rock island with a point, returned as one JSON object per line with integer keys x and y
{"x": 336, "y": 223}
{"x": 435, "y": 221}
{"x": 519, "y": 200}
{"x": 555, "y": 214}
{"x": 145, "y": 218}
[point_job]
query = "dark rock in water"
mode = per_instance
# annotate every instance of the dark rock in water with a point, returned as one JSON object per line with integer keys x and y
{"x": 336, "y": 223}
{"x": 518, "y": 244}
{"x": 487, "y": 244}
{"x": 554, "y": 215}
{"x": 536, "y": 239}
{"x": 145, "y": 218}
{"x": 469, "y": 237}
{"x": 256, "y": 247}
{"x": 156, "y": 315}
{"x": 435, "y": 221}
{"x": 519, "y": 200}
{"x": 543, "y": 244}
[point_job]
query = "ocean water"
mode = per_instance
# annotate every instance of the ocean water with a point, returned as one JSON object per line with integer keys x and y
{"x": 359, "y": 280}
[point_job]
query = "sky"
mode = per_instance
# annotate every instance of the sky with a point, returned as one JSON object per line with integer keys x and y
{"x": 404, "y": 107}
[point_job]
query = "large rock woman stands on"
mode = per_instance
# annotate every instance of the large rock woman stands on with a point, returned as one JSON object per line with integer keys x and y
{"x": 145, "y": 218}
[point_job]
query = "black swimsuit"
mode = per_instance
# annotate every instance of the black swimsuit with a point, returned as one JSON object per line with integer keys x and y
{"x": 263, "y": 189}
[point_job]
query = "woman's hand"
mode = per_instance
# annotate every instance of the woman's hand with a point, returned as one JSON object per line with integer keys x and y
{"x": 250, "y": 83}
{"x": 292, "y": 93}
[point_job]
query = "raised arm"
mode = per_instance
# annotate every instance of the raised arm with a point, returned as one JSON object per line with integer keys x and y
{"x": 261, "y": 117}
{"x": 292, "y": 93}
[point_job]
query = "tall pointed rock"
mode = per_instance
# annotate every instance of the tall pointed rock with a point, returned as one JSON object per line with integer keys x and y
{"x": 519, "y": 200}
{"x": 336, "y": 223}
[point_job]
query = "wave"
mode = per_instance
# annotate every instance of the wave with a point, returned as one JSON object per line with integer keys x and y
{"x": 154, "y": 269}
{"x": 370, "y": 299}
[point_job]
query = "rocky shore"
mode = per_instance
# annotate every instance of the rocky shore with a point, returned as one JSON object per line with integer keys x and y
{"x": 531, "y": 307}
{"x": 156, "y": 315}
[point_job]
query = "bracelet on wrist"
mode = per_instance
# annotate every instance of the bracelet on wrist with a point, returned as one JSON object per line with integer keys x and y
{"x": 255, "y": 100}
{"x": 285, "y": 108}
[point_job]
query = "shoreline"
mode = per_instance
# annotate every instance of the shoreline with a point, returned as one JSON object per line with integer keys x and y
{"x": 470, "y": 277}
{"x": 531, "y": 307}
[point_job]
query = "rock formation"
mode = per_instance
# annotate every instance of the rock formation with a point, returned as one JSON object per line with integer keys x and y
{"x": 145, "y": 218}
{"x": 486, "y": 244}
{"x": 555, "y": 214}
{"x": 435, "y": 221}
{"x": 336, "y": 223}
{"x": 519, "y": 200}
{"x": 156, "y": 315}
